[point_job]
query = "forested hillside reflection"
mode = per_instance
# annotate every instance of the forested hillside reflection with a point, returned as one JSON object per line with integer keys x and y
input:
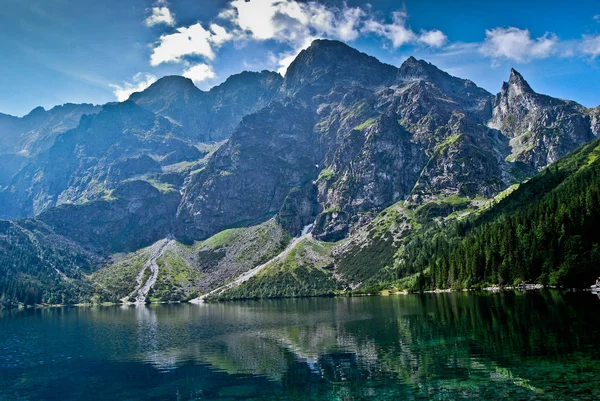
{"x": 538, "y": 345}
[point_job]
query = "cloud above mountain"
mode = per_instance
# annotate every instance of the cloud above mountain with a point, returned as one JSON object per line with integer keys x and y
{"x": 590, "y": 45}
{"x": 199, "y": 72}
{"x": 139, "y": 82}
{"x": 517, "y": 44}
{"x": 290, "y": 22}
{"x": 160, "y": 14}
{"x": 398, "y": 33}
{"x": 289, "y": 26}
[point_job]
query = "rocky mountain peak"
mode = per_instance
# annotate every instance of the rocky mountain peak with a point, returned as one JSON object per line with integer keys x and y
{"x": 327, "y": 46}
{"x": 174, "y": 81}
{"x": 328, "y": 63}
{"x": 413, "y": 69}
{"x": 171, "y": 85}
{"x": 424, "y": 77}
{"x": 36, "y": 112}
{"x": 248, "y": 79}
{"x": 542, "y": 129}
{"x": 517, "y": 84}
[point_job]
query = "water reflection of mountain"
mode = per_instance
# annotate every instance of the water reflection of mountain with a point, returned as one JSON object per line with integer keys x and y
{"x": 433, "y": 346}
{"x": 453, "y": 344}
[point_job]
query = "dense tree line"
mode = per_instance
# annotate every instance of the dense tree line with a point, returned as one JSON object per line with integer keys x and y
{"x": 38, "y": 267}
{"x": 545, "y": 232}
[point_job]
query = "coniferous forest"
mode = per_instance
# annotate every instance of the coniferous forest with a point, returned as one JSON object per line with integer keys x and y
{"x": 545, "y": 232}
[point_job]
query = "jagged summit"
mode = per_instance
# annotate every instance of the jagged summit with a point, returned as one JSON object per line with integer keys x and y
{"x": 542, "y": 128}
{"x": 517, "y": 83}
{"x": 174, "y": 80}
{"x": 332, "y": 51}
{"x": 411, "y": 67}
{"x": 423, "y": 74}
{"x": 330, "y": 44}
{"x": 246, "y": 75}
{"x": 328, "y": 63}
{"x": 167, "y": 85}
{"x": 413, "y": 70}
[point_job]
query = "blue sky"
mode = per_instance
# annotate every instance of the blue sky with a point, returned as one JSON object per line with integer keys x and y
{"x": 58, "y": 51}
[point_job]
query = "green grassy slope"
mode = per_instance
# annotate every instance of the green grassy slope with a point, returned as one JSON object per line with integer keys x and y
{"x": 187, "y": 271}
{"x": 304, "y": 270}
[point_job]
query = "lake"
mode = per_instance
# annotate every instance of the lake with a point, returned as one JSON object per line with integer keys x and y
{"x": 453, "y": 346}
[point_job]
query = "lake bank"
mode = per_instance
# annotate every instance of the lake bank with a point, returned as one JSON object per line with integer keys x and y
{"x": 383, "y": 293}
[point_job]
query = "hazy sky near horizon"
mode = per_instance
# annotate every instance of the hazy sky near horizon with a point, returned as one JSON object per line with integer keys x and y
{"x": 59, "y": 51}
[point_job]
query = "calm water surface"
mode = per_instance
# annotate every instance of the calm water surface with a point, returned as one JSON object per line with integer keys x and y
{"x": 533, "y": 346}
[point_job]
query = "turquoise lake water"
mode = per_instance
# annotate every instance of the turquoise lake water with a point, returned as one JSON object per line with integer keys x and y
{"x": 454, "y": 346}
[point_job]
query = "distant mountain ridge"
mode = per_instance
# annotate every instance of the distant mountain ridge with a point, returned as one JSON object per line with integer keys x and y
{"x": 209, "y": 116}
{"x": 166, "y": 122}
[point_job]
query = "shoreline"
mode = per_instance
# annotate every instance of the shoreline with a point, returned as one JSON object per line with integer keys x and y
{"x": 383, "y": 293}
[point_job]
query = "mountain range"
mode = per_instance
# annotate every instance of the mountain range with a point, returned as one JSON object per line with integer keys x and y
{"x": 316, "y": 181}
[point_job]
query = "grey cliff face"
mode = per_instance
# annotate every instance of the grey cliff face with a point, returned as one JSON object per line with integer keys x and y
{"x": 137, "y": 215}
{"x": 247, "y": 180}
{"x": 595, "y": 119}
{"x": 378, "y": 134}
{"x": 23, "y": 138}
{"x": 329, "y": 65}
{"x": 541, "y": 129}
{"x": 36, "y": 131}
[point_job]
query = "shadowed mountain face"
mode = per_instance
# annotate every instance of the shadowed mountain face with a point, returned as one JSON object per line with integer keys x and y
{"x": 86, "y": 163}
{"x": 37, "y": 130}
{"x": 339, "y": 139}
{"x": 147, "y": 137}
{"x": 25, "y": 137}
{"x": 209, "y": 116}
{"x": 248, "y": 178}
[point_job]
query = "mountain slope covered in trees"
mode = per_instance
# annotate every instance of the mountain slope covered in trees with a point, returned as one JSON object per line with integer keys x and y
{"x": 544, "y": 232}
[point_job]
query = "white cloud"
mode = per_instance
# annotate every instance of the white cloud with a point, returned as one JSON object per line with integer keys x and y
{"x": 291, "y": 22}
{"x": 193, "y": 40}
{"x": 253, "y": 16}
{"x": 140, "y": 82}
{"x": 597, "y": 17}
{"x": 333, "y": 22}
{"x": 435, "y": 38}
{"x": 516, "y": 44}
{"x": 590, "y": 45}
{"x": 399, "y": 34}
{"x": 199, "y": 72}
{"x": 219, "y": 35}
{"x": 160, "y": 15}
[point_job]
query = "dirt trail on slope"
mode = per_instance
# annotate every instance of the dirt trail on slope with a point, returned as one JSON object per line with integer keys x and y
{"x": 252, "y": 272}
{"x": 142, "y": 290}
